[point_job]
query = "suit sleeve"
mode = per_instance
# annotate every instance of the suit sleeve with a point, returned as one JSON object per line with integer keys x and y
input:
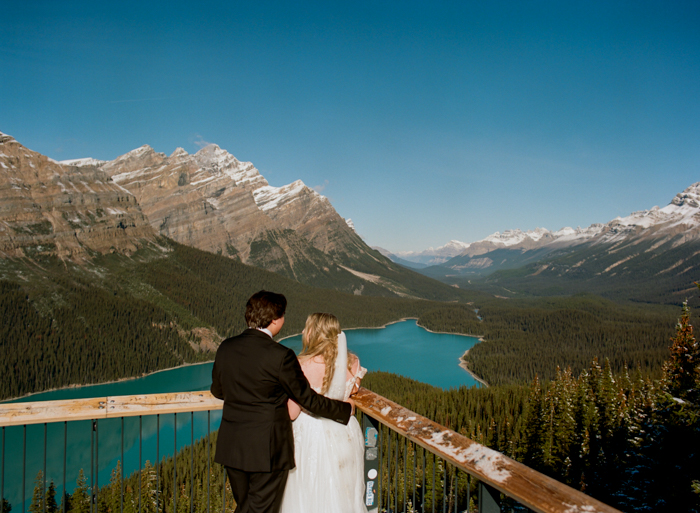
{"x": 297, "y": 387}
{"x": 216, "y": 389}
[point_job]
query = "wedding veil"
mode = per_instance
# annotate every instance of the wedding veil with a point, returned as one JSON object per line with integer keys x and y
{"x": 337, "y": 388}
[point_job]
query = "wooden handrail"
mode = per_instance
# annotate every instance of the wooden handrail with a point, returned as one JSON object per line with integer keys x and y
{"x": 17, "y": 414}
{"x": 531, "y": 488}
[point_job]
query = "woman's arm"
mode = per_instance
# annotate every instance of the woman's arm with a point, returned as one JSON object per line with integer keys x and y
{"x": 314, "y": 374}
{"x": 353, "y": 369}
{"x": 293, "y": 408}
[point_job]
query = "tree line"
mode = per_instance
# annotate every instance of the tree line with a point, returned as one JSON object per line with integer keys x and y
{"x": 631, "y": 441}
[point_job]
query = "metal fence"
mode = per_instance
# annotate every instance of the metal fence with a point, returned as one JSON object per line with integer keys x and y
{"x": 139, "y": 462}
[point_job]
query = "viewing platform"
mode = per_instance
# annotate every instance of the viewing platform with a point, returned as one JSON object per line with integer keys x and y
{"x": 412, "y": 463}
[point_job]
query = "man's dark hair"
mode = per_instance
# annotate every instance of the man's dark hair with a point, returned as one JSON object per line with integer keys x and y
{"x": 264, "y": 307}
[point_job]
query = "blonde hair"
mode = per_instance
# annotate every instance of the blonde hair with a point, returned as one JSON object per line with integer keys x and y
{"x": 320, "y": 337}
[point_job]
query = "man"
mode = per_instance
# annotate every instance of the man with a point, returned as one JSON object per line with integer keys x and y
{"x": 255, "y": 376}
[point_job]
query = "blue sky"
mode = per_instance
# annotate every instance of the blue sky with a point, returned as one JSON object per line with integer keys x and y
{"x": 421, "y": 121}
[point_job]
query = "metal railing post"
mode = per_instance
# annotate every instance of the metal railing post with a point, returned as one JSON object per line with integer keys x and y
{"x": 65, "y": 461}
{"x": 191, "y": 462}
{"x": 24, "y": 467}
{"x": 43, "y": 492}
{"x": 405, "y": 475}
{"x": 92, "y": 463}
{"x": 381, "y": 466}
{"x": 175, "y": 465}
{"x": 121, "y": 472}
{"x": 140, "y": 459}
{"x": 158, "y": 494}
{"x": 396, "y": 476}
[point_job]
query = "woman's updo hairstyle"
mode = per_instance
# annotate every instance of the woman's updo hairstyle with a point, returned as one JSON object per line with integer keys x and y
{"x": 320, "y": 337}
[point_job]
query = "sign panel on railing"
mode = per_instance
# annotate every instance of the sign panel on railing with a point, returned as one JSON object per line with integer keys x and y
{"x": 370, "y": 427}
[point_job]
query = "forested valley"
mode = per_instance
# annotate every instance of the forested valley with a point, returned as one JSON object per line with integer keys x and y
{"x": 121, "y": 317}
{"x": 627, "y": 439}
{"x": 581, "y": 388}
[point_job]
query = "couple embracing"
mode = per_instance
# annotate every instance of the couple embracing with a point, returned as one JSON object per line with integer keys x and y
{"x": 265, "y": 387}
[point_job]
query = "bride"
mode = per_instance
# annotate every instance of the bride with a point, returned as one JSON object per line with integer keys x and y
{"x": 329, "y": 456}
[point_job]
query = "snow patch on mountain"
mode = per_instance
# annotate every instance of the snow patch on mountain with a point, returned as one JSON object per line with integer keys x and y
{"x": 683, "y": 210}
{"x": 452, "y": 248}
{"x": 243, "y": 173}
{"x": 179, "y": 152}
{"x": 5, "y": 138}
{"x": 134, "y": 154}
{"x": 88, "y": 161}
{"x": 350, "y": 224}
{"x": 513, "y": 237}
{"x": 269, "y": 197}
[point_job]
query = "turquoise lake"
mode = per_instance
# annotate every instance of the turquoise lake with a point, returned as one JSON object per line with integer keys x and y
{"x": 401, "y": 348}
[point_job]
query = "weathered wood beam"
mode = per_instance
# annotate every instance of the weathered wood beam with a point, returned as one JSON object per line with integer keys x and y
{"x": 17, "y": 414}
{"x": 531, "y": 488}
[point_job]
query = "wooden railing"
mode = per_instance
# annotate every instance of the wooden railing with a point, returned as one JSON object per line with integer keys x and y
{"x": 527, "y": 486}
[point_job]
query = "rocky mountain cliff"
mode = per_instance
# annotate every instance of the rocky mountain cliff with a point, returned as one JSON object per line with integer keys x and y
{"x": 72, "y": 212}
{"x": 209, "y": 200}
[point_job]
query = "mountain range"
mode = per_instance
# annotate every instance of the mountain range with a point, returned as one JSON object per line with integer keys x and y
{"x": 656, "y": 250}
{"x": 77, "y": 209}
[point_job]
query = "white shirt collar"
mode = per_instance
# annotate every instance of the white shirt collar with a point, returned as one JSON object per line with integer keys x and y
{"x": 265, "y": 330}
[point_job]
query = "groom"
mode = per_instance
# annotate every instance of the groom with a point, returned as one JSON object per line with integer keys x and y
{"x": 255, "y": 376}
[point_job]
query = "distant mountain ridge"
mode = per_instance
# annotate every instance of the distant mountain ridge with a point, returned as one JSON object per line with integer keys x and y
{"x": 682, "y": 211}
{"x": 656, "y": 249}
{"x": 432, "y": 256}
{"x": 78, "y": 208}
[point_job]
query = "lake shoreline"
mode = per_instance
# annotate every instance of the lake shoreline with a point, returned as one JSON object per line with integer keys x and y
{"x": 72, "y": 386}
{"x": 69, "y": 387}
{"x": 463, "y": 364}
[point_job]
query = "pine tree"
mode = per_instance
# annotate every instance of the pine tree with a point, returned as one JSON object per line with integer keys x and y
{"x": 6, "y": 506}
{"x": 563, "y": 424}
{"x": 80, "y": 500}
{"x": 113, "y": 498}
{"x": 38, "y": 497}
{"x": 149, "y": 494}
{"x": 51, "y": 506}
{"x": 682, "y": 370}
{"x": 534, "y": 422}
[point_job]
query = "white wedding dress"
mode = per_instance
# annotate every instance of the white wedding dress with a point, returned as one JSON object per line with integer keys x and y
{"x": 329, "y": 473}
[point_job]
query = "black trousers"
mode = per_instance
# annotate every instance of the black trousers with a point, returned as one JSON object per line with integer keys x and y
{"x": 257, "y": 492}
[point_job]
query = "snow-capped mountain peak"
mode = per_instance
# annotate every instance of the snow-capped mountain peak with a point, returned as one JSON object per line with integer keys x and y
{"x": 684, "y": 209}
{"x": 179, "y": 152}
{"x": 517, "y": 236}
{"x": 88, "y": 161}
{"x": 243, "y": 173}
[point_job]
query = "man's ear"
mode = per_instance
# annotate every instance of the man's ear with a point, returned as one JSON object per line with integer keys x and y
{"x": 276, "y": 325}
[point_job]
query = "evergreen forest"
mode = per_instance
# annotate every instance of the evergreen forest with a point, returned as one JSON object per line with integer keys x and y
{"x": 628, "y": 440}
{"x": 599, "y": 394}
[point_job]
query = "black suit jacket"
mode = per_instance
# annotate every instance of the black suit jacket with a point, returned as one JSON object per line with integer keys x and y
{"x": 255, "y": 376}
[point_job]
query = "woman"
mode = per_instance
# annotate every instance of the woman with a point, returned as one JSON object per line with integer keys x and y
{"x": 329, "y": 456}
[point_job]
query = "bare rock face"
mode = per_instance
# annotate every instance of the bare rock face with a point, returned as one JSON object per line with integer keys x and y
{"x": 63, "y": 210}
{"x": 216, "y": 203}
{"x": 210, "y": 200}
